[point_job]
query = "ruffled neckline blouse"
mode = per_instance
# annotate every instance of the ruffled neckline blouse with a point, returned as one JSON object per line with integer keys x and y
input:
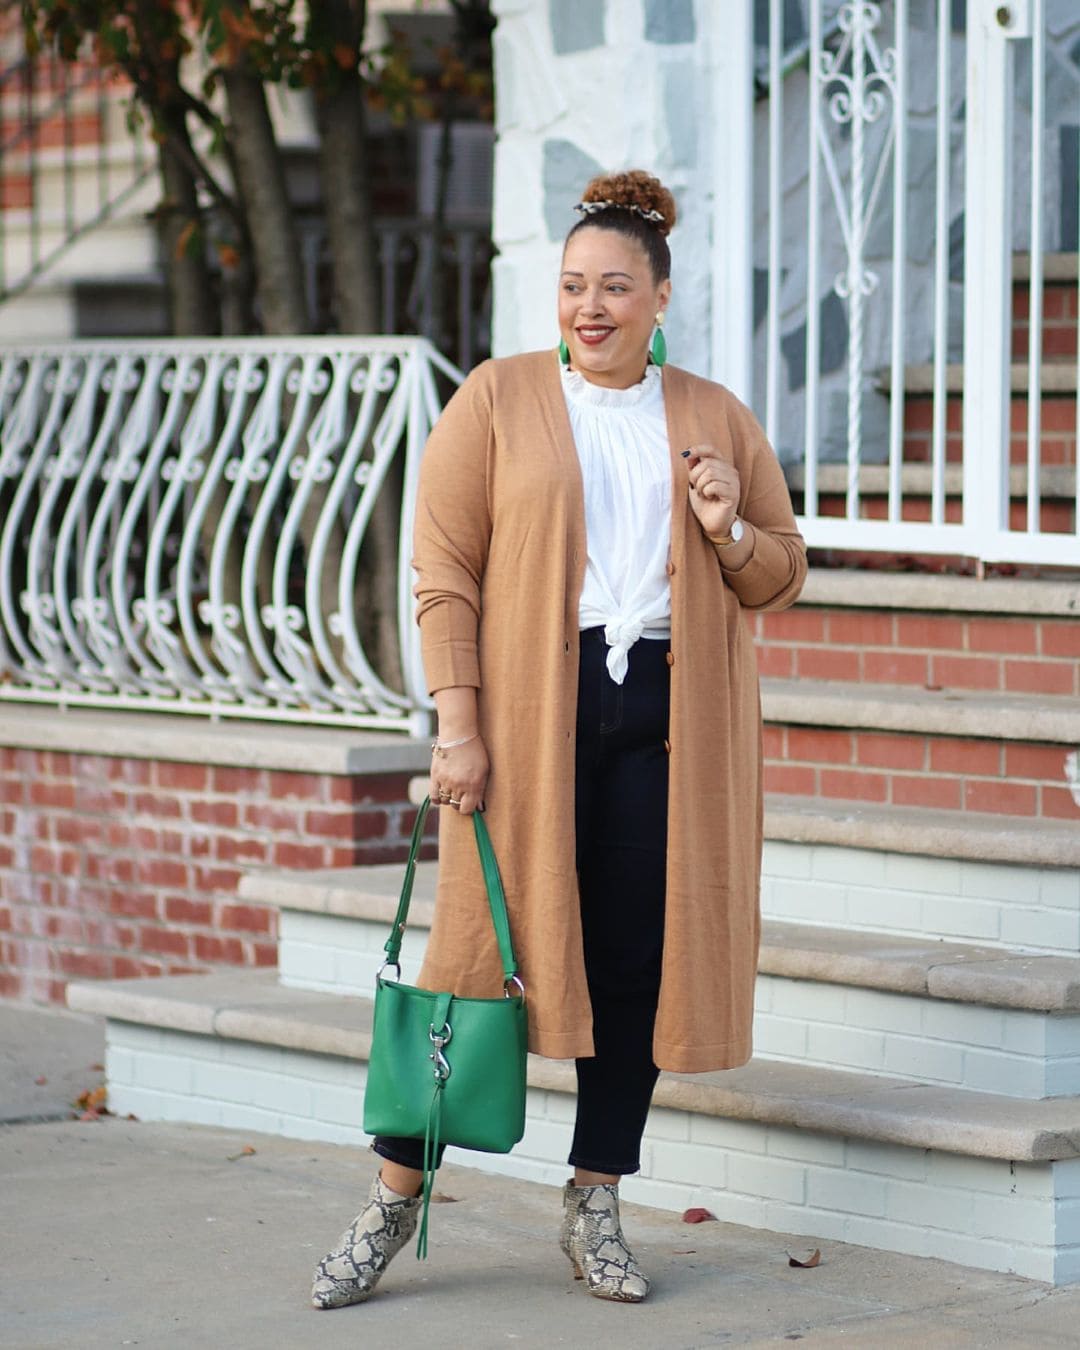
{"x": 622, "y": 445}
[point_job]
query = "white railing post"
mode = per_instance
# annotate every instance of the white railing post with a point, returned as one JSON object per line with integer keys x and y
{"x": 987, "y": 264}
{"x": 732, "y": 248}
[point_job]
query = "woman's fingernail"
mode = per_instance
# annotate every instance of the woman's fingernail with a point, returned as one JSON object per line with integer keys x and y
{"x": 686, "y": 454}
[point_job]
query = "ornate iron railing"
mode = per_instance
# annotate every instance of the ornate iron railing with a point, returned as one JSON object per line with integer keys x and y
{"x": 188, "y": 526}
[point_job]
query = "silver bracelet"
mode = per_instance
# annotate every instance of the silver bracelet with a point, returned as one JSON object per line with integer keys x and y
{"x": 440, "y": 747}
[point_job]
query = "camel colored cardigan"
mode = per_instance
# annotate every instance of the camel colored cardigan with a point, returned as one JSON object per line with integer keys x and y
{"x": 500, "y": 558}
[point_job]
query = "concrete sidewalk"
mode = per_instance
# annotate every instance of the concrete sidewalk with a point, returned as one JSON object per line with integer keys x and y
{"x": 118, "y": 1233}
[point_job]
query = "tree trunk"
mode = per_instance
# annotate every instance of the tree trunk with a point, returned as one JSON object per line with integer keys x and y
{"x": 183, "y": 237}
{"x": 262, "y": 188}
{"x": 346, "y": 196}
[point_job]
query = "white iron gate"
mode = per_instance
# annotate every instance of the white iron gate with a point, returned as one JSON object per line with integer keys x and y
{"x": 913, "y": 228}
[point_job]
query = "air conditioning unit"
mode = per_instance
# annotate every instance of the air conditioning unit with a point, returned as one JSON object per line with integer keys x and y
{"x": 472, "y": 147}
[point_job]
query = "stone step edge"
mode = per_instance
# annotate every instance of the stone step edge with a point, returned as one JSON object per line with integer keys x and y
{"x": 250, "y": 1006}
{"x": 995, "y": 977}
{"x": 1053, "y": 720}
{"x": 1056, "y": 481}
{"x": 1057, "y": 267}
{"x": 967, "y": 835}
{"x": 1058, "y": 377}
{"x": 940, "y": 594}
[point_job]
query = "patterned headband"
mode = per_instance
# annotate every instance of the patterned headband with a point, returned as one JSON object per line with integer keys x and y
{"x": 591, "y": 208}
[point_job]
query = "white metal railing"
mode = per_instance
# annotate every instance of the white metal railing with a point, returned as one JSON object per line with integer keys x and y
{"x": 901, "y": 142}
{"x": 183, "y": 524}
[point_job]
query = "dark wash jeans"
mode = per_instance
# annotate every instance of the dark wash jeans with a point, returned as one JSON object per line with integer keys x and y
{"x": 621, "y": 789}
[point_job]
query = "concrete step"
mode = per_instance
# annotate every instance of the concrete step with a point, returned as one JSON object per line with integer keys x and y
{"x": 973, "y": 1016}
{"x": 975, "y": 1177}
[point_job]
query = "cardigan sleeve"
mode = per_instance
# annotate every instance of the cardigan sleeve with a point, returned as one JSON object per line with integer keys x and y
{"x": 773, "y": 575}
{"x": 452, "y": 534}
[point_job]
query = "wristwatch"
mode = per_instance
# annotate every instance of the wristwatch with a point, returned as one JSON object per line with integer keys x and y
{"x": 723, "y": 540}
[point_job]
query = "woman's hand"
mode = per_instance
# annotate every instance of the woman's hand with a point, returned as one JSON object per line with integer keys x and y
{"x": 714, "y": 488}
{"x": 459, "y": 776}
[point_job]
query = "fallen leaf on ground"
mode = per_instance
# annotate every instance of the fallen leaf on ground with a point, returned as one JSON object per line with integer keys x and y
{"x": 97, "y": 1068}
{"x": 805, "y": 1262}
{"x": 91, "y": 1103}
{"x": 245, "y": 1152}
{"x": 685, "y": 1251}
{"x": 131, "y": 1116}
{"x": 438, "y": 1198}
{"x": 41, "y": 1081}
{"x": 698, "y": 1216}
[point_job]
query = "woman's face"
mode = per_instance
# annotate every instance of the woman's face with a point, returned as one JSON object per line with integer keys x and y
{"x": 608, "y": 302}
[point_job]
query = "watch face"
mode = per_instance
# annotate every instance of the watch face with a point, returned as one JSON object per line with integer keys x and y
{"x": 736, "y": 530}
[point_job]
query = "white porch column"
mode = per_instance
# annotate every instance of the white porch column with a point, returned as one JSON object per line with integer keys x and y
{"x": 731, "y": 79}
{"x": 987, "y": 266}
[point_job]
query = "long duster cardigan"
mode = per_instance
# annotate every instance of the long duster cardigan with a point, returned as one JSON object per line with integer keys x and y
{"x": 500, "y": 557}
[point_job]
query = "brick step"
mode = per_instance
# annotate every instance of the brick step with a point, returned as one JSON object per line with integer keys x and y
{"x": 969, "y": 1176}
{"x": 1059, "y": 323}
{"x": 949, "y": 633}
{"x": 1007, "y": 754}
{"x": 983, "y": 1017}
{"x": 1057, "y": 433}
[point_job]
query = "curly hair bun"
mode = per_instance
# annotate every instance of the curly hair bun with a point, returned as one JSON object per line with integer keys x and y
{"x": 634, "y": 188}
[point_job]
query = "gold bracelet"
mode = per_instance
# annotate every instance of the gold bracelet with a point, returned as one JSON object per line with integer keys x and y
{"x": 440, "y": 747}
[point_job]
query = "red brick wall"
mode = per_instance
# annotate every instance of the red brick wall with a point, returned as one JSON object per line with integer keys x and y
{"x": 945, "y": 773}
{"x": 937, "y": 651}
{"x": 113, "y": 867}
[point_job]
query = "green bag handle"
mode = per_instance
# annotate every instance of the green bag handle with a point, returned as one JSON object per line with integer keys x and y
{"x": 492, "y": 884}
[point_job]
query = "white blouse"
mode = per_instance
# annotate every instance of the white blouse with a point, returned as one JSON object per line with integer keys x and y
{"x": 622, "y": 443}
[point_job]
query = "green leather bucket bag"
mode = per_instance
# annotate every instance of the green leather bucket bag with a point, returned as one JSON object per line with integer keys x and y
{"x": 446, "y": 1069}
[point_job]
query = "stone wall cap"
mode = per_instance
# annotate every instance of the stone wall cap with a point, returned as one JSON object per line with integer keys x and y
{"x": 939, "y": 593}
{"x": 250, "y": 1006}
{"x": 909, "y": 708}
{"x": 199, "y": 740}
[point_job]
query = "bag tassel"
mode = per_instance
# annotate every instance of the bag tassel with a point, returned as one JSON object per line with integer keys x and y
{"x": 431, "y": 1154}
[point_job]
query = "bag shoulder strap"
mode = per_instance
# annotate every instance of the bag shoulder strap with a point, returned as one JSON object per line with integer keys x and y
{"x": 492, "y": 884}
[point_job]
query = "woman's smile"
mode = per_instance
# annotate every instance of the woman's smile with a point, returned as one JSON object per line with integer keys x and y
{"x": 593, "y": 334}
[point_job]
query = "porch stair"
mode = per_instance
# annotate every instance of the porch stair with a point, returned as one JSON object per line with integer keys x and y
{"x": 1058, "y": 433}
{"x": 916, "y": 1082}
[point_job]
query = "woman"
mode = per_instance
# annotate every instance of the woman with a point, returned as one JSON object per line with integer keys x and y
{"x": 590, "y": 527}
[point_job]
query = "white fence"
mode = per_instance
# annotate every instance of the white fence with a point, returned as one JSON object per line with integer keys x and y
{"x": 184, "y": 525}
{"x": 907, "y": 199}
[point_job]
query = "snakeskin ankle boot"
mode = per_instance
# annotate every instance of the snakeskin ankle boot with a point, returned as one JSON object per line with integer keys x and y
{"x": 351, "y": 1271}
{"x": 593, "y": 1240}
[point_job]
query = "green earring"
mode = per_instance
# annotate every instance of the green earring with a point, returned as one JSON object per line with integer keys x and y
{"x": 658, "y": 350}
{"x": 564, "y": 353}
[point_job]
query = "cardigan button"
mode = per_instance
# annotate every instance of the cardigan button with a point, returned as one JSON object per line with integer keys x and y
{"x": 670, "y": 569}
{"x": 667, "y": 746}
{"x": 670, "y": 658}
